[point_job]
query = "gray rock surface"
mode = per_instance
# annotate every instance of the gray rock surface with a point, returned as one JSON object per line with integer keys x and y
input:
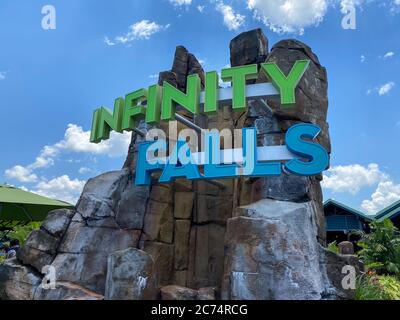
{"x": 131, "y": 276}
{"x": 41, "y": 246}
{"x": 346, "y": 247}
{"x": 66, "y": 291}
{"x": 248, "y": 48}
{"x": 174, "y": 292}
{"x": 333, "y": 264}
{"x": 18, "y": 282}
{"x": 272, "y": 253}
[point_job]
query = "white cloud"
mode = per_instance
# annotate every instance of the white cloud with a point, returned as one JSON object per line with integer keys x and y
{"x": 109, "y": 42}
{"x": 3, "y": 75}
{"x": 289, "y": 16}
{"x": 389, "y": 54}
{"x": 352, "y": 178}
{"x": 382, "y": 89}
{"x": 346, "y": 5}
{"x": 181, "y": 2}
{"x": 386, "y": 193}
{"x": 75, "y": 140}
{"x": 154, "y": 76}
{"x": 43, "y": 160}
{"x": 84, "y": 170}
{"x": 140, "y": 30}
{"x": 362, "y": 58}
{"x": 21, "y": 174}
{"x": 61, "y": 188}
{"x": 200, "y": 8}
{"x": 232, "y": 20}
{"x": 385, "y": 89}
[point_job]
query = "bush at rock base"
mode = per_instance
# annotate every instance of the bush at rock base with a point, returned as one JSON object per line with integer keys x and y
{"x": 381, "y": 248}
{"x": 333, "y": 247}
{"x": 21, "y": 232}
{"x": 374, "y": 287}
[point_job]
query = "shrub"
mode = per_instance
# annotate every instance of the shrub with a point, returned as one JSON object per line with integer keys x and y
{"x": 381, "y": 248}
{"x": 374, "y": 287}
{"x": 21, "y": 232}
{"x": 333, "y": 247}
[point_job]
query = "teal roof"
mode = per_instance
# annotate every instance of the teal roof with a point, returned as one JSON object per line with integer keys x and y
{"x": 349, "y": 209}
{"x": 386, "y": 213}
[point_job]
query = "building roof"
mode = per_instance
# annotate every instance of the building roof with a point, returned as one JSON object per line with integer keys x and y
{"x": 389, "y": 212}
{"x": 20, "y": 205}
{"x": 349, "y": 209}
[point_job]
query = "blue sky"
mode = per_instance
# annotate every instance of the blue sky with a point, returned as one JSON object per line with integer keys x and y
{"x": 52, "y": 80}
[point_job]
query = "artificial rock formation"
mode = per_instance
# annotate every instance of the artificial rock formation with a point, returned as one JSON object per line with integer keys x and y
{"x": 130, "y": 276}
{"x": 248, "y": 238}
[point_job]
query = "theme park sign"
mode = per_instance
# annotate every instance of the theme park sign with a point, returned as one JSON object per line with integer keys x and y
{"x": 301, "y": 155}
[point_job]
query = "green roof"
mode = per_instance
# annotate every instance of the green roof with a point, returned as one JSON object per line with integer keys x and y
{"x": 20, "y": 205}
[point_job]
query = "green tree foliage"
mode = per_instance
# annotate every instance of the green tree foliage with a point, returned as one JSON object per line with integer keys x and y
{"x": 333, "y": 247}
{"x": 381, "y": 248}
{"x": 21, "y": 232}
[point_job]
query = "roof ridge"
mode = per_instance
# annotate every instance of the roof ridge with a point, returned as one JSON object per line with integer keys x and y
{"x": 355, "y": 211}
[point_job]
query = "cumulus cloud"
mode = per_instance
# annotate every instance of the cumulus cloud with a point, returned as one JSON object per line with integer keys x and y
{"x": 21, "y": 174}
{"x": 140, "y": 30}
{"x": 289, "y": 16}
{"x": 200, "y": 8}
{"x": 3, "y": 75}
{"x": 383, "y": 89}
{"x": 25, "y": 174}
{"x": 75, "y": 140}
{"x": 362, "y": 58}
{"x": 61, "y": 188}
{"x": 385, "y": 194}
{"x": 351, "y": 178}
{"x": 232, "y": 20}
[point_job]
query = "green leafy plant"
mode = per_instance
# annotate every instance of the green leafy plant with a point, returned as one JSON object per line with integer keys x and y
{"x": 374, "y": 287}
{"x": 381, "y": 248}
{"x": 333, "y": 247}
{"x": 21, "y": 232}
